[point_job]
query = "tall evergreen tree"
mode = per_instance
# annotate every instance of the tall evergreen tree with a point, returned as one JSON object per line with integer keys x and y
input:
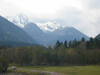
{"x": 70, "y": 44}
{"x": 83, "y": 39}
{"x": 91, "y": 43}
{"x": 65, "y": 43}
{"x": 58, "y": 44}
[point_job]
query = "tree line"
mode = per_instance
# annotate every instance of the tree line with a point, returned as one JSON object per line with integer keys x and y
{"x": 68, "y": 53}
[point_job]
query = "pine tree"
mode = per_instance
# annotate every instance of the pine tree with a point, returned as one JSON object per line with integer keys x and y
{"x": 65, "y": 43}
{"x": 83, "y": 39}
{"x": 58, "y": 44}
{"x": 70, "y": 44}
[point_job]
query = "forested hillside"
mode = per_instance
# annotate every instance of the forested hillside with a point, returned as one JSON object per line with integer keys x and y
{"x": 63, "y": 53}
{"x": 15, "y": 44}
{"x": 10, "y": 32}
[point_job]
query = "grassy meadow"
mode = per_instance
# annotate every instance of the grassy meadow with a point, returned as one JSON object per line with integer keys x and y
{"x": 68, "y": 70}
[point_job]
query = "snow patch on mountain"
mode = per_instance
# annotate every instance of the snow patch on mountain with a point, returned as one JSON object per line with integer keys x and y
{"x": 49, "y": 26}
{"x": 21, "y": 20}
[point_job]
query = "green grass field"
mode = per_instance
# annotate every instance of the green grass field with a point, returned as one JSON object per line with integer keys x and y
{"x": 69, "y": 70}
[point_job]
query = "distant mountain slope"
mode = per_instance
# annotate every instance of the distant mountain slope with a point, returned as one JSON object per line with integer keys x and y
{"x": 33, "y": 30}
{"x": 10, "y": 32}
{"x": 98, "y": 37}
{"x": 67, "y": 33}
{"x": 61, "y": 34}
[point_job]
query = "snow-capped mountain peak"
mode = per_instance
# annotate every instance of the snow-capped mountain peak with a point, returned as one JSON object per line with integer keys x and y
{"x": 21, "y": 20}
{"x": 49, "y": 26}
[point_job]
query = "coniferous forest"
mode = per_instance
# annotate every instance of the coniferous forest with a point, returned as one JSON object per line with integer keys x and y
{"x": 68, "y": 53}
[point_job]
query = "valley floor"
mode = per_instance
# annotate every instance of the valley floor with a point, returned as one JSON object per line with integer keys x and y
{"x": 62, "y": 70}
{"x": 43, "y": 72}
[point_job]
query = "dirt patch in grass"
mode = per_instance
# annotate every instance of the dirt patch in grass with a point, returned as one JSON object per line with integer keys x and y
{"x": 18, "y": 72}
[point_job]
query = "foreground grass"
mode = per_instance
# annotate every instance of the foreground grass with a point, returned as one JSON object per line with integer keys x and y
{"x": 69, "y": 70}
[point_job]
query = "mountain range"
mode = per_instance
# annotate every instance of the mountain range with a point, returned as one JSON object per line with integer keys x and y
{"x": 21, "y": 20}
{"x": 49, "y": 32}
{"x": 49, "y": 26}
{"x": 11, "y": 32}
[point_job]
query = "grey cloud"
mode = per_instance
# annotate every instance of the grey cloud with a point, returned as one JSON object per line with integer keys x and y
{"x": 95, "y": 4}
{"x": 70, "y": 17}
{"x": 91, "y": 4}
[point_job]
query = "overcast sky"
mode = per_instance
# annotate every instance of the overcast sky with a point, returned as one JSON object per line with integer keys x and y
{"x": 84, "y": 15}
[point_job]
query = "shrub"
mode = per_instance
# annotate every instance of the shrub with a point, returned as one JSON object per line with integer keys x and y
{"x": 3, "y": 64}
